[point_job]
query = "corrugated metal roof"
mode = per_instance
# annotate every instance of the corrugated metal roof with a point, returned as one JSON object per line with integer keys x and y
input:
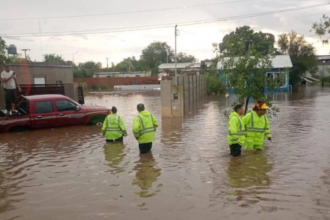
{"x": 172, "y": 65}
{"x": 183, "y": 65}
{"x": 323, "y": 57}
{"x": 279, "y": 61}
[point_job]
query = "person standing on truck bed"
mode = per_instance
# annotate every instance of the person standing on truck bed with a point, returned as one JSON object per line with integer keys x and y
{"x": 113, "y": 127}
{"x": 144, "y": 128}
{"x": 8, "y": 78}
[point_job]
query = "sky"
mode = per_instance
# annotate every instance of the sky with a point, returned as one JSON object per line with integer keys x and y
{"x": 101, "y": 29}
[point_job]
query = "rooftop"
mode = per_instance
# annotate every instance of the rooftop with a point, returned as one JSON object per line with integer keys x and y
{"x": 182, "y": 65}
{"x": 279, "y": 61}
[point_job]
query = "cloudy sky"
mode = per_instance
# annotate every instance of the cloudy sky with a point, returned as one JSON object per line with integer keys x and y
{"x": 101, "y": 29}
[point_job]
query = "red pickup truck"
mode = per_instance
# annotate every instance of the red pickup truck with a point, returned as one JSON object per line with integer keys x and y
{"x": 51, "y": 111}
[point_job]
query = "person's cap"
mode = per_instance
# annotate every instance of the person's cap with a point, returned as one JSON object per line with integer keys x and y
{"x": 262, "y": 105}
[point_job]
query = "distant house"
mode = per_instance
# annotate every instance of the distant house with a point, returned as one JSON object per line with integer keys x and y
{"x": 279, "y": 63}
{"x": 168, "y": 69}
{"x": 122, "y": 74}
{"x": 323, "y": 66}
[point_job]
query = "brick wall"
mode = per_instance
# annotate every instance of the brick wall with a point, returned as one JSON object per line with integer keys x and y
{"x": 111, "y": 82}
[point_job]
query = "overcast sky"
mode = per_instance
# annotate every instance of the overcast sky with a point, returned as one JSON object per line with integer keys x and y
{"x": 194, "y": 39}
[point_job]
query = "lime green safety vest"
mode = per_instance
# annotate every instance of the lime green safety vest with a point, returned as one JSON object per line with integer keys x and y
{"x": 144, "y": 127}
{"x": 236, "y": 130}
{"x": 257, "y": 128}
{"x": 113, "y": 127}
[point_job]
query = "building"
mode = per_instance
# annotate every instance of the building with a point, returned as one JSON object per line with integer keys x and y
{"x": 168, "y": 69}
{"x": 42, "y": 73}
{"x": 323, "y": 66}
{"x": 122, "y": 74}
{"x": 280, "y": 63}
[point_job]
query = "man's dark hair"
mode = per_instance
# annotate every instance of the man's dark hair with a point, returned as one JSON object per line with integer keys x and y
{"x": 237, "y": 107}
{"x": 140, "y": 107}
{"x": 114, "y": 110}
{"x": 6, "y": 66}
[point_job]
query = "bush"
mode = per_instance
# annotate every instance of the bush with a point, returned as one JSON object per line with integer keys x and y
{"x": 94, "y": 87}
{"x": 214, "y": 84}
{"x": 84, "y": 85}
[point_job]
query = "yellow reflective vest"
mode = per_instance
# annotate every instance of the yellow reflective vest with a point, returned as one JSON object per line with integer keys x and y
{"x": 113, "y": 127}
{"x": 236, "y": 129}
{"x": 257, "y": 128}
{"x": 144, "y": 127}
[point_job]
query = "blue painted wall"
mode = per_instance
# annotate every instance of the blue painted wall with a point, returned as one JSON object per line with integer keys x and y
{"x": 284, "y": 88}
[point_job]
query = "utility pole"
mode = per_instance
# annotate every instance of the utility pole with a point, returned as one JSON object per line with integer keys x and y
{"x": 73, "y": 58}
{"x": 25, "y": 52}
{"x": 107, "y": 63}
{"x": 175, "y": 78}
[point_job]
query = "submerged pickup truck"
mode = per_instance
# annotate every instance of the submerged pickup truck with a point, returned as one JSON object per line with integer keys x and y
{"x": 51, "y": 111}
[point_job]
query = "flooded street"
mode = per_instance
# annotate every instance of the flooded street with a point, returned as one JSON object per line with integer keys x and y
{"x": 70, "y": 173}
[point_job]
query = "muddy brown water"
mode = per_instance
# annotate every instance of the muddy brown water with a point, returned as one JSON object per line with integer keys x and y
{"x": 70, "y": 173}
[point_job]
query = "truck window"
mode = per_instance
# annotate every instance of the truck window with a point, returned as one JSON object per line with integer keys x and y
{"x": 44, "y": 107}
{"x": 23, "y": 107}
{"x": 65, "y": 105}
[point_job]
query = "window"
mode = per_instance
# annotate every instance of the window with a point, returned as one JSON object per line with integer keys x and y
{"x": 278, "y": 77}
{"x": 23, "y": 107}
{"x": 65, "y": 105}
{"x": 44, "y": 107}
{"x": 39, "y": 81}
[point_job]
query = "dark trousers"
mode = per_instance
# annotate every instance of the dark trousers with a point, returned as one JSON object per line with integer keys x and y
{"x": 145, "y": 148}
{"x": 235, "y": 150}
{"x": 10, "y": 98}
{"x": 116, "y": 140}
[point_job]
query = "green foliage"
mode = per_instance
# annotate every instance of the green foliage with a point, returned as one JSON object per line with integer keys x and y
{"x": 124, "y": 66}
{"x": 98, "y": 88}
{"x": 322, "y": 28}
{"x": 156, "y": 54}
{"x": 3, "y": 46}
{"x": 214, "y": 85}
{"x": 84, "y": 86}
{"x": 245, "y": 74}
{"x": 90, "y": 65}
{"x": 54, "y": 58}
{"x": 263, "y": 42}
{"x": 81, "y": 73}
{"x": 18, "y": 59}
{"x": 185, "y": 58}
{"x": 302, "y": 55}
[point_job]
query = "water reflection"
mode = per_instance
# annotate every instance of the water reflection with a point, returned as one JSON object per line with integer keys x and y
{"x": 146, "y": 174}
{"x": 248, "y": 175}
{"x": 114, "y": 154}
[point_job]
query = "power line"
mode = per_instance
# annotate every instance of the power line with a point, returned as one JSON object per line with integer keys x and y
{"x": 139, "y": 28}
{"x": 125, "y": 12}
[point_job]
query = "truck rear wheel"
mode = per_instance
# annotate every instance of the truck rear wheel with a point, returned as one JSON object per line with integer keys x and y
{"x": 97, "y": 120}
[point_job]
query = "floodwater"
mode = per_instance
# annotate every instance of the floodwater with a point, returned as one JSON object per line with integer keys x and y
{"x": 71, "y": 173}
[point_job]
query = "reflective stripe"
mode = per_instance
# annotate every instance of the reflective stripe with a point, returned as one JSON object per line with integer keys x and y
{"x": 145, "y": 130}
{"x": 113, "y": 129}
{"x": 252, "y": 119}
{"x": 236, "y": 139}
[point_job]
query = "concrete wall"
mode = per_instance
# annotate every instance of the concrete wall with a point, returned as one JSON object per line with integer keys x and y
{"x": 27, "y": 72}
{"x": 182, "y": 99}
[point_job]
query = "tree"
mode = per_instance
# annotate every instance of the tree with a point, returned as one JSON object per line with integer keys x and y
{"x": 155, "y": 54}
{"x": 185, "y": 58}
{"x": 245, "y": 74}
{"x": 54, "y": 58}
{"x": 3, "y": 47}
{"x": 19, "y": 59}
{"x": 81, "y": 73}
{"x": 262, "y": 42}
{"x": 302, "y": 55}
{"x": 124, "y": 66}
{"x": 322, "y": 28}
{"x": 90, "y": 65}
